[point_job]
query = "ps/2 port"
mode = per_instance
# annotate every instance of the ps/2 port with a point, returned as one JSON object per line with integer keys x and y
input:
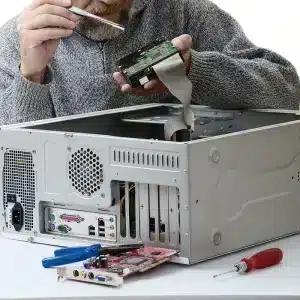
{"x": 91, "y": 275}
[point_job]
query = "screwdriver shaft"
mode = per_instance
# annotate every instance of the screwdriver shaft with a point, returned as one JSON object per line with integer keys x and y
{"x": 231, "y": 271}
{"x": 84, "y": 13}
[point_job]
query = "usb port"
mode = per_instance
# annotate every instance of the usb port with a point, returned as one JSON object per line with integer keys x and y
{"x": 91, "y": 230}
{"x": 101, "y": 229}
{"x": 101, "y": 234}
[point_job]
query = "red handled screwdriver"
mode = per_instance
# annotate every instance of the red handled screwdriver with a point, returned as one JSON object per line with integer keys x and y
{"x": 260, "y": 260}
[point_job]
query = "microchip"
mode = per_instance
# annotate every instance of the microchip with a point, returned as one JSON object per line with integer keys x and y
{"x": 134, "y": 260}
{"x": 138, "y": 66}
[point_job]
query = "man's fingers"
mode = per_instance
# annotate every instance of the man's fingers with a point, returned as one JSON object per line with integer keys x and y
{"x": 155, "y": 86}
{"x": 52, "y": 33}
{"x": 39, "y": 36}
{"x": 183, "y": 42}
{"x": 54, "y": 10}
{"x": 151, "y": 84}
{"x": 119, "y": 78}
{"x": 121, "y": 81}
{"x": 44, "y": 21}
{"x": 63, "y": 3}
{"x": 47, "y": 16}
{"x": 151, "y": 88}
{"x": 137, "y": 91}
{"x": 127, "y": 88}
{"x": 159, "y": 88}
{"x": 141, "y": 92}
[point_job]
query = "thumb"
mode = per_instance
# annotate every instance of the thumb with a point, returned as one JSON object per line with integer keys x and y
{"x": 183, "y": 42}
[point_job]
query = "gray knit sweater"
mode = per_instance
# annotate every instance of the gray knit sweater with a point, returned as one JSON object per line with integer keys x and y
{"x": 228, "y": 71}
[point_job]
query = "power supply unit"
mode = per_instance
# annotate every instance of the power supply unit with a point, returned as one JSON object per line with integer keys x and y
{"x": 110, "y": 177}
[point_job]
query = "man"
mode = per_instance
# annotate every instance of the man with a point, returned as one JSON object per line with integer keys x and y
{"x": 53, "y": 63}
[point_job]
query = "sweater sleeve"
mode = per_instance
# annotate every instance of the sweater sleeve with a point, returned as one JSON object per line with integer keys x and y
{"x": 20, "y": 100}
{"x": 228, "y": 71}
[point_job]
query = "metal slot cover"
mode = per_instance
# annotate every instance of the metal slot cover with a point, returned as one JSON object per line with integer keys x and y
{"x": 157, "y": 209}
{"x": 92, "y": 276}
{"x": 128, "y": 209}
{"x": 80, "y": 224}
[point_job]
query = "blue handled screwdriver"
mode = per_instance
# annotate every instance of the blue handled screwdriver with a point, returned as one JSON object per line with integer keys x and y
{"x": 76, "y": 254}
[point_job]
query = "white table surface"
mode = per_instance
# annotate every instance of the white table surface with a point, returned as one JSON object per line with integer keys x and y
{"x": 23, "y": 277}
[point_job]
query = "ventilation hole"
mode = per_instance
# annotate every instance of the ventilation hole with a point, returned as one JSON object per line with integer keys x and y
{"x": 84, "y": 173}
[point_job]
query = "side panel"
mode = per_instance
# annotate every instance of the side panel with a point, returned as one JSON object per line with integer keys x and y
{"x": 245, "y": 190}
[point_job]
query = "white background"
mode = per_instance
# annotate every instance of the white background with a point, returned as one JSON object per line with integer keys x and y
{"x": 273, "y": 24}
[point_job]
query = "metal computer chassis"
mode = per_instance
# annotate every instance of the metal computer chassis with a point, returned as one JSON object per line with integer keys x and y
{"x": 110, "y": 177}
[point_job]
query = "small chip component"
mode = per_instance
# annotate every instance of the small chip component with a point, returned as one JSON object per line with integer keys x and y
{"x": 138, "y": 66}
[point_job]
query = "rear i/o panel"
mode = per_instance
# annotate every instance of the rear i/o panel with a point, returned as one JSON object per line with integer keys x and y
{"x": 59, "y": 221}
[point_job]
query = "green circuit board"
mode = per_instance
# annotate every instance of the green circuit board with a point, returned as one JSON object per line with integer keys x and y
{"x": 139, "y": 64}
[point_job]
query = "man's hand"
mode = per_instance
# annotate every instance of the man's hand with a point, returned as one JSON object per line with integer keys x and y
{"x": 183, "y": 44}
{"x": 40, "y": 27}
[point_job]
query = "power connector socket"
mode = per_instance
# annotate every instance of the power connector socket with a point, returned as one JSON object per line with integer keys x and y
{"x": 17, "y": 216}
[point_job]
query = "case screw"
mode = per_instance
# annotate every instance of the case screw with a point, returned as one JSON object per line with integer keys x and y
{"x": 34, "y": 151}
{"x": 174, "y": 180}
{"x": 217, "y": 238}
{"x": 31, "y": 239}
{"x": 102, "y": 195}
{"x": 69, "y": 148}
{"x": 214, "y": 155}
